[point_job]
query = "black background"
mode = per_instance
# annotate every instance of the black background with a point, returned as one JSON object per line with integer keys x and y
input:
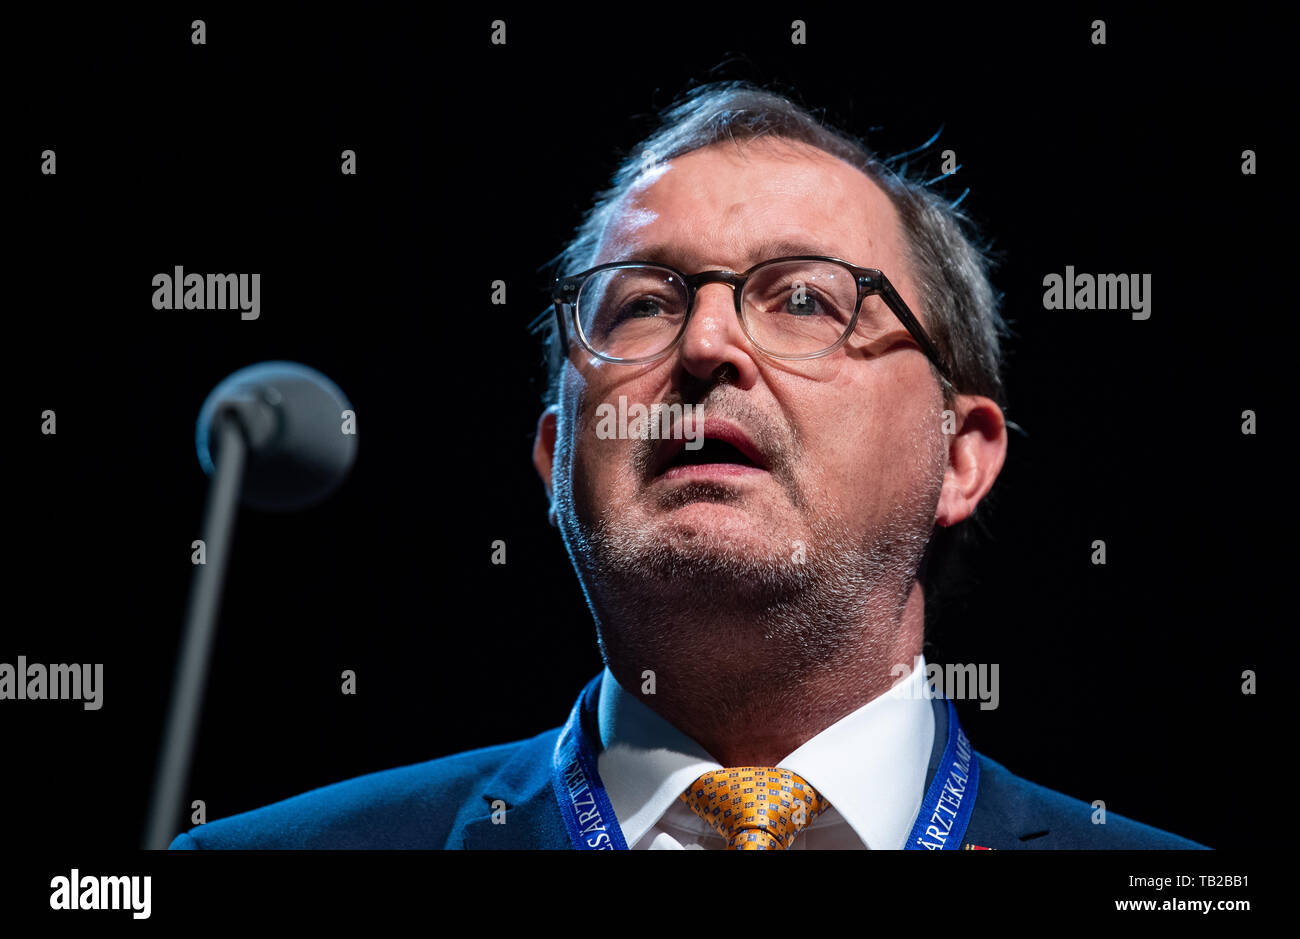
{"x": 475, "y": 161}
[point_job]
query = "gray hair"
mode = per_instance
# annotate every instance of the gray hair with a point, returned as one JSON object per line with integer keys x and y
{"x": 959, "y": 306}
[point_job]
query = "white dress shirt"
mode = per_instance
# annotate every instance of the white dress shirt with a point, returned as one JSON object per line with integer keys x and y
{"x": 870, "y": 765}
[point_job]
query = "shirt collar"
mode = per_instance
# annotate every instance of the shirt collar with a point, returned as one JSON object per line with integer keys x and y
{"x": 870, "y": 765}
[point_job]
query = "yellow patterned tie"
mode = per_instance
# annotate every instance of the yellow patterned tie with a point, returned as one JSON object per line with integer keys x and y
{"x": 756, "y": 808}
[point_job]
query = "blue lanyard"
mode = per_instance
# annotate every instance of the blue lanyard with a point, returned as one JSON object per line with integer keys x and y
{"x": 592, "y": 826}
{"x": 948, "y": 803}
{"x": 587, "y": 813}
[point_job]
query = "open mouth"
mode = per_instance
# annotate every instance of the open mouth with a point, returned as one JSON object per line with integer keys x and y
{"x": 724, "y": 451}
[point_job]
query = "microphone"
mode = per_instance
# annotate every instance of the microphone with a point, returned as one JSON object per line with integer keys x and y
{"x": 277, "y": 436}
{"x": 293, "y": 425}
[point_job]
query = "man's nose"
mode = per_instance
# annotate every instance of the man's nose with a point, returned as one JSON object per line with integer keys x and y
{"x": 714, "y": 337}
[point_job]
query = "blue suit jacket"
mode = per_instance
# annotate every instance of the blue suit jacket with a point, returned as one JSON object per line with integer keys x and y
{"x": 447, "y": 803}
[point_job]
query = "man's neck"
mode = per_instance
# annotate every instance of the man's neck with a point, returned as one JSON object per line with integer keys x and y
{"x": 755, "y": 707}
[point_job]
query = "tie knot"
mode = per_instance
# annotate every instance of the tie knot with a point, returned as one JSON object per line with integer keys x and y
{"x": 756, "y": 808}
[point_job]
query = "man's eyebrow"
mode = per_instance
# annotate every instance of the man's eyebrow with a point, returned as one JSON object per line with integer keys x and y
{"x": 681, "y": 258}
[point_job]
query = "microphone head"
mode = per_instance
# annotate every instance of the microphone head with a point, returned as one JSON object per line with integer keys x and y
{"x": 300, "y": 444}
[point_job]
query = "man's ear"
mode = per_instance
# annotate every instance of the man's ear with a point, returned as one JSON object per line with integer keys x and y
{"x": 544, "y": 452}
{"x": 976, "y": 451}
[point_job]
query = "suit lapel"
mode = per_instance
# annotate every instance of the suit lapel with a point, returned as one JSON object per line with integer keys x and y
{"x": 532, "y": 818}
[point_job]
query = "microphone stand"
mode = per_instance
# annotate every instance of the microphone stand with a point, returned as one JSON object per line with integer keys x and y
{"x": 230, "y": 458}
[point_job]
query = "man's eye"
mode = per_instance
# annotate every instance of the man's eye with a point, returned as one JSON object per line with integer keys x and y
{"x": 642, "y": 306}
{"x": 803, "y": 302}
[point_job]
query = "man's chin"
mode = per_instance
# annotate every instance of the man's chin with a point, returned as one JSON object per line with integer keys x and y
{"x": 711, "y": 546}
{"x": 721, "y": 528}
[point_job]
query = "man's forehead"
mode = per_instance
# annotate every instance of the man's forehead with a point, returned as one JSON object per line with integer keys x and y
{"x": 739, "y": 206}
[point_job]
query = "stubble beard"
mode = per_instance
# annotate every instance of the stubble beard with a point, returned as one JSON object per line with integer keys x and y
{"x": 706, "y": 616}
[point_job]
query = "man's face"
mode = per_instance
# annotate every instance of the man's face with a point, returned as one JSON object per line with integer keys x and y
{"x": 850, "y": 453}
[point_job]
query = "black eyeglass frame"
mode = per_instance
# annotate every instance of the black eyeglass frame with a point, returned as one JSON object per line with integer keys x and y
{"x": 870, "y": 282}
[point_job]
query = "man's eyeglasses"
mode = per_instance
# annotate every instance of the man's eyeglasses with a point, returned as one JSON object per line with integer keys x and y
{"x": 803, "y": 307}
